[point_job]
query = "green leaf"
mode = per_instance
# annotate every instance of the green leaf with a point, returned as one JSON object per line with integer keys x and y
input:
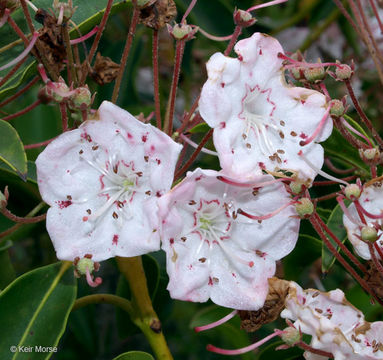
{"x": 335, "y": 224}
{"x": 6, "y": 172}
{"x": 200, "y": 128}
{"x": 269, "y": 352}
{"x": 134, "y": 355}
{"x": 12, "y": 149}
{"x": 34, "y": 310}
{"x": 152, "y": 271}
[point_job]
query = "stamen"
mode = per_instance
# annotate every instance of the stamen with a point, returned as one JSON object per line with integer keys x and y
{"x": 43, "y": 74}
{"x": 319, "y": 127}
{"x": 216, "y": 323}
{"x": 365, "y": 212}
{"x": 193, "y": 144}
{"x": 93, "y": 283}
{"x": 23, "y": 54}
{"x": 4, "y": 18}
{"x": 253, "y": 185}
{"x": 348, "y": 126}
{"x": 268, "y": 216}
{"x": 270, "y": 3}
{"x": 246, "y": 349}
{"x": 32, "y": 6}
{"x": 319, "y": 171}
{"x": 85, "y": 37}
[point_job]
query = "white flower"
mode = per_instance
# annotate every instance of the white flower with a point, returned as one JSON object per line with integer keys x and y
{"x": 102, "y": 181}
{"x": 259, "y": 121}
{"x": 335, "y": 325}
{"x": 371, "y": 200}
{"x": 215, "y": 252}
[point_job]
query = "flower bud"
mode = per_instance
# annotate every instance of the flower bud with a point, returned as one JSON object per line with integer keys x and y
{"x": 291, "y": 336}
{"x": 343, "y": 72}
{"x": 337, "y": 108}
{"x": 296, "y": 187}
{"x": 352, "y": 191}
{"x": 67, "y": 9}
{"x": 243, "y": 18}
{"x": 369, "y": 233}
{"x": 304, "y": 208}
{"x": 82, "y": 98}
{"x": 315, "y": 74}
{"x": 182, "y": 31}
{"x": 57, "y": 91}
{"x": 371, "y": 156}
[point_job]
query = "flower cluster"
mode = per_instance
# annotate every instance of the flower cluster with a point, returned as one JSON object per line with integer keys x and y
{"x": 108, "y": 182}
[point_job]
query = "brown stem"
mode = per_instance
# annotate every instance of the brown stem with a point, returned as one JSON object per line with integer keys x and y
{"x": 70, "y": 66}
{"x": 18, "y": 31}
{"x": 125, "y": 54}
{"x": 22, "y": 112}
{"x": 168, "y": 123}
{"x": 156, "y": 79}
{"x": 361, "y": 113}
{"x": 22, "y": 91}
{"x": 347, "y": 16}
{"x": 346, "y": 265}
{"x": 194, "y": 155}
{"x": 326, "y": 197}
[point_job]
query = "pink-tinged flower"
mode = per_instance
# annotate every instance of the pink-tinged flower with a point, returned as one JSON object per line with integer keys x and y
{"x": 102, "y": 182}
{"x": 363, "y": 221}
{"x": 260, "y": 122}
{"x": 213, "y": 249}
{"x": 335, "y": 325}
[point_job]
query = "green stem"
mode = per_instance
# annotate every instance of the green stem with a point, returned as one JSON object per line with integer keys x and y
{"x": 144, "y": 315}
{"x": 122, "y": 303}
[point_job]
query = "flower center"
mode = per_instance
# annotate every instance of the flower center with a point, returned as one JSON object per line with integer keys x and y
{"x": 257, "y": 115}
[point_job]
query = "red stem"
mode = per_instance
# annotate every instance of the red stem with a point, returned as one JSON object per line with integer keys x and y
{"x": 194, "y": 155}
{"x": 333, "y": 168}
{"x": 22, "y": 112}
{"x": 374, "y": 258}
{"x": 307, "y": 347}
{"x": 125, "y": 54}
{"x": 33, "y": 146}
{"x": 156, "y": 79}
{"x": 173, "y": 90}
{"x": 10, "y": 74}
{"x": 330, "y": 182}
{"x": 361, "y": 113}
{"x": 22, "y": 91}
{"x": 23, "y": 220}
{"x": 326, "y": 197}
{"x": 347, "y": 252}
{"x": 96, "y": 40}
{"x": 356, "y": 143}
{"x": 376, "y": 13}
{"x": 233, "y": 40}
{"x": 18, "y": 31}
{"x": 346, "y": 265}
{"x": 64, "y": 116}
{"x": 27, "y": 15}
{"x": 187, "y": 117}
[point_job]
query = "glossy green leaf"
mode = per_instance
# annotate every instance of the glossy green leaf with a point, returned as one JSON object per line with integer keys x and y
{"x": 12, "y": 149}
{"x": 134, "y": 355}
{"x": 34, "y": 310}
{"x": 200, "y": 128}
{"x": 6, "y": 172}
{"x": 335, "y": 224}
{"x": 124, "y": 323}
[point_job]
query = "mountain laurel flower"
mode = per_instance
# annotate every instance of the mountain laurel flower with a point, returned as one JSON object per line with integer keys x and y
{"x": 363, "y": 221}
{"x": 213, "y": 249}
{"x": 102, "y": 182}
{"x": 335, "y": 325}
{"x": 260, "y": 122}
